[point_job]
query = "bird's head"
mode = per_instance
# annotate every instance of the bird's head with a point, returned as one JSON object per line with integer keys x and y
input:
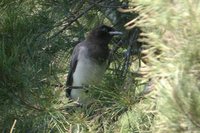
{"x": 103, "y": 33}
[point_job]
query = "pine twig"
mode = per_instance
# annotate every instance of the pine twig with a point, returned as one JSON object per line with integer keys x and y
{"x": 73, "y": 20}
{"x": 132, "y": 43}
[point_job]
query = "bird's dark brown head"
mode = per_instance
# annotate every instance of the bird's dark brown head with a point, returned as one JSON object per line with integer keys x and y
{"x": 103, "y": 34}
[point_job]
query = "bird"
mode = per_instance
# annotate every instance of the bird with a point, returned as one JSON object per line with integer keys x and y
{"x": 88, "y": 62}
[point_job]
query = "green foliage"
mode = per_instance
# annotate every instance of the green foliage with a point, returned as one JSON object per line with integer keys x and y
{"x": 37, "y": 38}
{"x": 172, "y": 32}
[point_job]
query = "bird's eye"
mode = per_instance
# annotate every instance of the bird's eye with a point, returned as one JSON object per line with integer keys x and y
{"x": 104, "y": 29}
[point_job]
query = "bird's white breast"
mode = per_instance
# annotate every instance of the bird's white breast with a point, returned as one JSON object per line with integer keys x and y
{"x": 87, "y": 72}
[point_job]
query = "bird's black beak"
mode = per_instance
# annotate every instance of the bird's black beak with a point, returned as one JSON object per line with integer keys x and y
{"x": 115, "y": 33}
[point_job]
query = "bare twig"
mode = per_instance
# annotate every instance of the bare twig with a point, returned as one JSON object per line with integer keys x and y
{"x": 73, "y": 20}
{"x": 117, "y": 46}
{"x": 13, "y": 126}
{"x": 76, "y": 87}
{"x": 132, "y": 43}
{"x": 106, "y": 6}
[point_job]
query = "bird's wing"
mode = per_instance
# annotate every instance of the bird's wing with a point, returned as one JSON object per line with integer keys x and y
{"x": 73, "y": 64}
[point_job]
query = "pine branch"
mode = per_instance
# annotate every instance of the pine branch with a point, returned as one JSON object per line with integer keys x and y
{"x": 73, "y": 20}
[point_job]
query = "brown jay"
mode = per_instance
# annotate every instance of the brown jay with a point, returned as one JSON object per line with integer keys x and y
{"x": 89, "y": 61}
